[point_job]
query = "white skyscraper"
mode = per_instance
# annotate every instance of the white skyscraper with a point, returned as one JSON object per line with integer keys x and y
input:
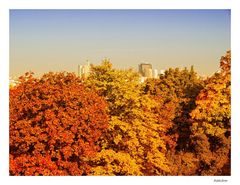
{"x": 155, "y": 73}
{"x": 84, "y": 70}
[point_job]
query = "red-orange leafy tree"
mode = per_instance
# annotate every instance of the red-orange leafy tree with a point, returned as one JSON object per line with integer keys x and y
{"x": 54, "y": 125}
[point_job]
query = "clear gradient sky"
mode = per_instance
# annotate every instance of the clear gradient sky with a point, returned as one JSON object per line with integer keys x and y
{"x": 59, "y": 40}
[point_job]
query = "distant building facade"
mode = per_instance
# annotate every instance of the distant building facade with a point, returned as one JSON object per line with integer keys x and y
{"x": 84, "y": 70}
{"x": 146, "y": 71}
{"x": 155, "y": 73}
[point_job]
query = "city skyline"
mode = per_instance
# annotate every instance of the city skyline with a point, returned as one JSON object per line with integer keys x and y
{"x": 60, "y": 40}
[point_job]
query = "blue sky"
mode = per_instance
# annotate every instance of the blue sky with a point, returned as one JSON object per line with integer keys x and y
{"x": 59, "y": 40}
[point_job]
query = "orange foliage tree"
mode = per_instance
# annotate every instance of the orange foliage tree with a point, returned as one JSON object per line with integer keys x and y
{"x": 211, "y": 126}
{"x": 55, "y": 123}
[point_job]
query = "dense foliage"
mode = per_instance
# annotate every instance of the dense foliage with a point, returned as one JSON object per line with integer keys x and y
{"x": 111, "y": 124}
{"x": 55, "y": 123}
{"x": 212, "y": 122}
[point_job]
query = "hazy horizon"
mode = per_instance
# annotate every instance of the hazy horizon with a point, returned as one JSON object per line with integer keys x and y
{"x": 60, "y": 40}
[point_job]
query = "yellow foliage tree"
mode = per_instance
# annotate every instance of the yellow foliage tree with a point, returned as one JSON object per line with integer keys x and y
{"x": 134, "y": 130}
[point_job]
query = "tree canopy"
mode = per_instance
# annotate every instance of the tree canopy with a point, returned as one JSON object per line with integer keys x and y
{"x": 110, "y": 123}
{"x": 55, "y": 123}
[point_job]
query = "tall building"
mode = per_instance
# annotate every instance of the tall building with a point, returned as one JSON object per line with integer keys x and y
{"x": 84, "y": 70}
{"x": 145, "y": 70}
{"x": 155, "y": 73}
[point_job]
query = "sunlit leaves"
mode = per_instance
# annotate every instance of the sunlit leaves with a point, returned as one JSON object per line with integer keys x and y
{"x": 212, "y": 117}
{"x": 109, "y": 162}
{"x": 54, "y": 118}
{"x": 111, "y": 124}
{"x": 134, "y": 128}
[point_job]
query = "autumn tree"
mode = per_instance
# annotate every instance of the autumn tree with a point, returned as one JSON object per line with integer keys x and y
{"x": 212, "y": 122}
{"x": 55, "y": 123}
{"x": 177, "y": 89}
{"x": 110, "y": 123}
{"x": 132, "y": 144}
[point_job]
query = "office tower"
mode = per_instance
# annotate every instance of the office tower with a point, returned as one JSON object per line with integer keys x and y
{"x": 155, "y": 73}
{"x": 84, "y": 70}
{"x": 145, "y": 70}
